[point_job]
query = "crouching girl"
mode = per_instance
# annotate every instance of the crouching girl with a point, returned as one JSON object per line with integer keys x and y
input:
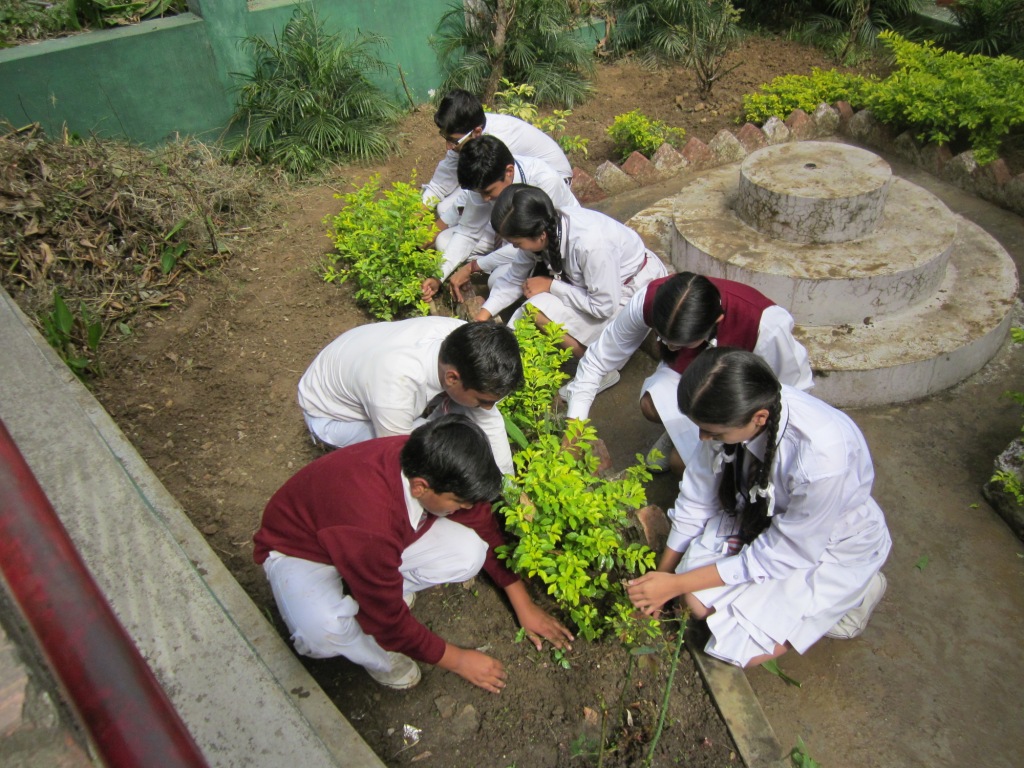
{"x": 775, "y": 538}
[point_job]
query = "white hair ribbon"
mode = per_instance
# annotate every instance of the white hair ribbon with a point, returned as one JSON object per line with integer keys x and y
{"x": 767, "y": 492}
{"x": 721, "y": 458}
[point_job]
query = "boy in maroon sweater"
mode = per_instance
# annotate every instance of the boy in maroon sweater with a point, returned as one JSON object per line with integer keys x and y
{"x": 349, "y": 540}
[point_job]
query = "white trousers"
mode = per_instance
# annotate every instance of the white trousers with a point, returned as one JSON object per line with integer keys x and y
{"x": 663, "y": 387}
{"x": 321, "y": 617}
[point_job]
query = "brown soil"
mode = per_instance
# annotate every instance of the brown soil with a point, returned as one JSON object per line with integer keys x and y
{"x": 207, "y": 394}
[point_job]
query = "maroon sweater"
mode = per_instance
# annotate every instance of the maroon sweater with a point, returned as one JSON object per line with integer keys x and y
{"x": 348, "y": 509}
{"x": 742, "y": 307}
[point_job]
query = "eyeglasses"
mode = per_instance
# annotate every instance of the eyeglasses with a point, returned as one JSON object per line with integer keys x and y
{"x": 456, "y": 142}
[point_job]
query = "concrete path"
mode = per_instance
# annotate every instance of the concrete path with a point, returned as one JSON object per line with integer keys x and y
{"x": 245, "y": 698}
{"x": 938, "y": 677}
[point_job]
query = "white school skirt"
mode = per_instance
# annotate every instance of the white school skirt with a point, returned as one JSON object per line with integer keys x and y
{"x": 751, "y": 619}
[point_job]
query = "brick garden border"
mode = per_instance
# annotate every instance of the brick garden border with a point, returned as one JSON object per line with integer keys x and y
{"x": 992, "y": 182}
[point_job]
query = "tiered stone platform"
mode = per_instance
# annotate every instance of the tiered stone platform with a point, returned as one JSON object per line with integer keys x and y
{"x": 895, "y": 297}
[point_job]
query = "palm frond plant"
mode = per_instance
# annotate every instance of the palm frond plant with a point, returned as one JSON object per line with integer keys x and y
{"x": 309, "y": 99}
{"x": 848, "y": 29}
{"x": 986, "y": 27}
{"x": 697, "y": 33}
{"x": 535, "y": 42}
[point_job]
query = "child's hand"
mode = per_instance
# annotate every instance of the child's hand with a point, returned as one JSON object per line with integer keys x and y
{"x": 476, "y": 667}
{"x": 538, "y": 624}
{"x": 535, "y": 285}
{"x": 459, "y": 278}
{"x": 430, "y": 287}
{"x": 652, "y": 590}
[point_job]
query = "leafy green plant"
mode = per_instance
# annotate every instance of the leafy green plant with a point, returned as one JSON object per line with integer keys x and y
{"x": 788, "y": 92}
{"x": 848, "y": 30}
{"x": 699, "y": 35}
{"x": 379, "y": 240}
{"x": 799, "y": 758}
{"x": 32, "y": 20}
{"x": 560, "y": 659}
{"x": 309, "y": 99}
{"x": 536, "y": 42}
{"x": 517, "y": 100}
{"x": 567, "y": 524}
{"x": 115, "y": 13}
{"x": 986, "y": 27}
{"x": 949, "y": 97}
{"x": 528, "y": 409}
{"x": 76, "y": 338}
{"x": 635, "y": 132}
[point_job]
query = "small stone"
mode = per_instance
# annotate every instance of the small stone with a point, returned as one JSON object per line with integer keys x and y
{"x": 445, "y": 706}
{"x": 800, "y": 125}
{"x": 667, "y": 160}
{"x": 727, "y": 148}
{"x": 640, "y": 168}
{"x": 698, "y": 154}
{"x": 655, "y": 525}
{"x": 776, "y": 131}
{"x": 465, "y": 724}
{"x": 585, "y": 187}
{"x": 700, "y": 106}
{"x": 613, "y": 179}
{"x": 751, "y": 137}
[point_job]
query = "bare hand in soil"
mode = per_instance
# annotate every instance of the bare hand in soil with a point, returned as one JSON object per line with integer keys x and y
{"x": 539, "y": 624}
{"x": 478, "y": 668}
{"x": 459, "y": 278}
{"x": 652, "y": 590}
{"x": 430, "y": 287}
{"x": 535, "y": 285}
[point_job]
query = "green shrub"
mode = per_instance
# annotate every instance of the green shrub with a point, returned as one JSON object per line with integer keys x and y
{"x": 379, "y": 240}
{"x": 949, "y": 97}
{"x": 309, "y": 100}
{"x": 848, "y": 29}
{"x": 568, "y": 526}
{"x": 529, "y": 407}
{"x": 788, "y": 92}
{"x": 517, "y": 100}
{"x": 536, "y": 42}
{"x": 635, "y": 132}
{"x": 31, "y": 20}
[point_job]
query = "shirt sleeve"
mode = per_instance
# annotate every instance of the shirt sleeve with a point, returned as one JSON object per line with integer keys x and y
{"x": 491, "y": 261}
{"x": 612, "y": 350}
{"x": 697, "y": 501}
{"x": 444, "y": 181}
{"x": 777, "y": 346}
{"x": 509, "y": 286}
{"x": 493, "y": 425}
{"x": 369, "y": 567}
{"x": 473, "y": 234}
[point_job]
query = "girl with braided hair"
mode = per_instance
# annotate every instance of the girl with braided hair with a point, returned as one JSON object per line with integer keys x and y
{"x": 775, "y": 538}
{"x": 593, "y": 264}
{"x": 688, "y": 313}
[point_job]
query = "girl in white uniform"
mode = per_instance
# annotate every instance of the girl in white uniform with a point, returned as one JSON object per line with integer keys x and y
{"x": 595, "y": 264}
{"x": 775, "y": 538}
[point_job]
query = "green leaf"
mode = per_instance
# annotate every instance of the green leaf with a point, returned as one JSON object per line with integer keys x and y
{"x": 772, "y": 665}
{"x": 922, "y": 563}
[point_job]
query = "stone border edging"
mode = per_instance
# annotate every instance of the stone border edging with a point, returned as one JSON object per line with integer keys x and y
{"x": 992, "y": 182}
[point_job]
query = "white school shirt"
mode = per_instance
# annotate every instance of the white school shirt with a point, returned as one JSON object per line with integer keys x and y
{"x": 387, "y": 373}
{"x": 617, "y": 343}
{"x": 599, "y": 256}
{"x": 519, "y": 136}
{"x": 473, "y": 234}
{"x": 822, "y": 476}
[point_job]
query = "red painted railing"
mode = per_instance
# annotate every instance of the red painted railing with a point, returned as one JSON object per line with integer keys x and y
{"x": 129, "y": 717}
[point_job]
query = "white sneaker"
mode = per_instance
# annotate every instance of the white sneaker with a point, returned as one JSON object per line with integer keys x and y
{"x": 409, "y": 598}
{"x": 663, "y": 445}
{"x": 404, "y": 673}
{"x": 608, "y": 381}
{"x": 856, "y": 619}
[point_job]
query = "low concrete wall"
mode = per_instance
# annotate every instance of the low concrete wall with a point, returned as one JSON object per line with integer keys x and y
{"x": 153, "y": 80}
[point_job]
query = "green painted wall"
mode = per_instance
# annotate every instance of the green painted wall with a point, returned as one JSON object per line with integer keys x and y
{"x": 154, "y": 80}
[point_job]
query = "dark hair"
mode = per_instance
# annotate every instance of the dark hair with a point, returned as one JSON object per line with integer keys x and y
{"x": 459, "y": 112}
{"x": 486, "y": 356}
{"x": 482, "y": 162}
{"x": 727, "y": 386}
{"x": 453, "y": 455}
{"x": 686, "y": 309}
{"x": 525, "y": 211}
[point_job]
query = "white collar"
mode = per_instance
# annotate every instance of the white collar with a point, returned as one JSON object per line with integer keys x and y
{"x": 416, "y": 512}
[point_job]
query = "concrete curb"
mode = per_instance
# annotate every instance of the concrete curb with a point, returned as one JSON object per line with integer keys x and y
{"x": 244, "y": 696}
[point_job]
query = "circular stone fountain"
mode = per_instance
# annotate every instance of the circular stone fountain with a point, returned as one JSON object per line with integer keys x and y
{"x": 894, "y": 296}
